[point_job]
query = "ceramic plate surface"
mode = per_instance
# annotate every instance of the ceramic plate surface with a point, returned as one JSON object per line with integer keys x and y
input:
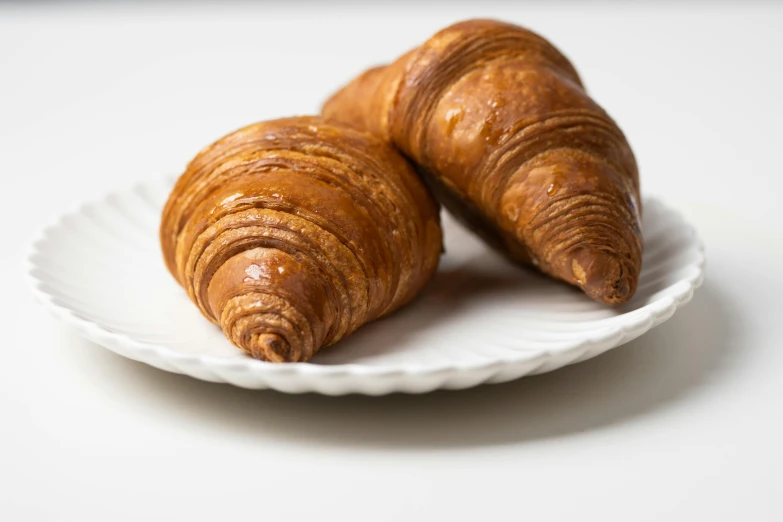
{"x": 480, "y": 320}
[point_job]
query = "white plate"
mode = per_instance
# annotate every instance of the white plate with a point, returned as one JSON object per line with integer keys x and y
{"x": 480, "y": 320}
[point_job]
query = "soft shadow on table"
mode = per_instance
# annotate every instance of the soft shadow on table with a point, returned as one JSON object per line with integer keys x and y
{"x": 660, "y": 368}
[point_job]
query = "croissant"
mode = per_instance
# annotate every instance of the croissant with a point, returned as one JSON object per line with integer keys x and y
{"x": 498, "y": 122}
{"x": 291, "y": 234}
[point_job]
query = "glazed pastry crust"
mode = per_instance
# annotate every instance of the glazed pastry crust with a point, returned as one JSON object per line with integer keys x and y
{"x": 291, "y": 234}
{"x": 498, "y": 122}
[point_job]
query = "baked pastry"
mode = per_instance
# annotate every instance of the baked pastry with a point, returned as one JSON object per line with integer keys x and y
{"x": 498, "y": 122}
{"x": 291, "y": 234}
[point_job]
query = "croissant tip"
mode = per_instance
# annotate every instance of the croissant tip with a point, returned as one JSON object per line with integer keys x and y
{"x": 604, "y": 276}
{"x": 270, "y": 347}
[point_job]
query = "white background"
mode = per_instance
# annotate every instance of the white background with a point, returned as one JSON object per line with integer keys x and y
{"x": 685, "y": 423}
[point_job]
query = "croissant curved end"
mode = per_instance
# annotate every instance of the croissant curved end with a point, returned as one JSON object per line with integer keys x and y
{"x": 603, "y": 276}
{"x": 269, "y": 347}
{"x": 589, "y": 240}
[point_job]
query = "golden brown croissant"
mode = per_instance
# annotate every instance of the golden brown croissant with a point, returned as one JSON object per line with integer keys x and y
{"x": 291, "y": 234}
{"x": 498, "y": 122}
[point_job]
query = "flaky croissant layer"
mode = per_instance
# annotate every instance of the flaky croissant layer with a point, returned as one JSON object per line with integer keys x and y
{"x": 291, "y": 234}
{"x": 498, "y": 122}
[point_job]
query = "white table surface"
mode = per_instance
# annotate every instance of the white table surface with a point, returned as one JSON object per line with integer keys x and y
{"x": 685, "y": 423}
